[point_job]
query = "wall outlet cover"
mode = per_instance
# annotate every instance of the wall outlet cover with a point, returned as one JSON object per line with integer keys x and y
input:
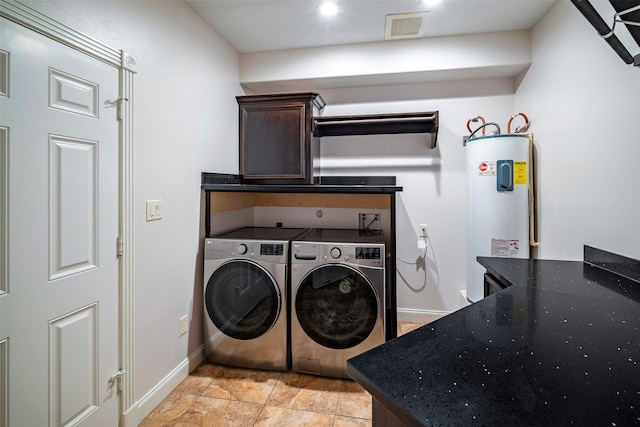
{"x": 369, "y": 221}
{"x": 183, "y": 325}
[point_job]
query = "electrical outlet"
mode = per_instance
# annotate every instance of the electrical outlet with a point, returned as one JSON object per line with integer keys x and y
{"x": 183, "y": 324}
{"x": 369, "y": 221}
{"x": 424, "y": 230}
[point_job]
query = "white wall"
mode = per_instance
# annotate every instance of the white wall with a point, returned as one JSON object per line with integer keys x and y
{"x": 389, "y": 62}
{"x": 583, "y": 102}
{"x": 185, "y": 123}
{"x": 433, "y": 180}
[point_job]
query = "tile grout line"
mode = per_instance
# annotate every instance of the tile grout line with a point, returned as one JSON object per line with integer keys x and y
{"x": 341, "y": 388}
{"x": 264, "y": 405}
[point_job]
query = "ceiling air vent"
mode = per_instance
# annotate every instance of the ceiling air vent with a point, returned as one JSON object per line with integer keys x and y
{"x": 405, "y": 25}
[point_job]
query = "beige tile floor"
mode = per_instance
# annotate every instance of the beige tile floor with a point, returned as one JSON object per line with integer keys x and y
{"x": 223, "y": 396}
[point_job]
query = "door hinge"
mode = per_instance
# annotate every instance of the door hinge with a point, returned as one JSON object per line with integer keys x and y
{"x": 118, "y": 104}
{"x": 116, "y": 379}
{"x": 120, "y": 245}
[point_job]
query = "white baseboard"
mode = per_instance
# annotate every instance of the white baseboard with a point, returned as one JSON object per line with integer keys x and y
{"x": 196, "y": 358}
{"x": 415, "y": 315}
{"x": 161, "y": 390}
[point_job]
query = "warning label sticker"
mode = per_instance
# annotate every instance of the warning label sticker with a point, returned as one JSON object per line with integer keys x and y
{"x": 520, "y": 173}
{"x": 487, "y": 168}
{"x": 505, "y": 248}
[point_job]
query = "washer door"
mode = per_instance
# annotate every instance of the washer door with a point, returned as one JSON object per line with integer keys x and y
{"x": 242, "y": 299}
{"x": 336, "y": 306}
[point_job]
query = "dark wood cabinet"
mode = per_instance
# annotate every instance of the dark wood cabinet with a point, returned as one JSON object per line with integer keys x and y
{"x": 492, "y": 284}
{"x": 277, "y": 142}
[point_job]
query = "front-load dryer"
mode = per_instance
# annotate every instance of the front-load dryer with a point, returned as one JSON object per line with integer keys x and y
{"x": 337, "y": 298}
{"x": 245, "y": 297}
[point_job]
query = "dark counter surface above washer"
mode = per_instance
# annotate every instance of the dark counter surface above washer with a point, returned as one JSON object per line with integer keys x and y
{"x": 328, "y": 184}
{"x": 559, "y": 347}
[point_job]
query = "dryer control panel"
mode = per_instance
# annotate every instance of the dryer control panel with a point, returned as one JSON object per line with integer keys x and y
{"x": 367, "y": 255}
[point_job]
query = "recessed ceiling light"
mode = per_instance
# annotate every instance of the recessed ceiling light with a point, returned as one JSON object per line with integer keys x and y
{"x": 328, "y": 8}
{"x": 431, "y": 2}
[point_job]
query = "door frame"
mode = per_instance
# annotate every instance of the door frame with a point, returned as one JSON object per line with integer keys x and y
{"x": 127, "y": 67}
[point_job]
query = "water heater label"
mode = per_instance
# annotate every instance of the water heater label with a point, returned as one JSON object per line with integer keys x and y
{"x": 520, "y": 173}
{"x": 505, "y": 248}
{"x": 487, "y": 168}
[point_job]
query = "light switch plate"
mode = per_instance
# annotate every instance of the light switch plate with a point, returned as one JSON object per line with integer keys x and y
{"x": 154, "y": 210}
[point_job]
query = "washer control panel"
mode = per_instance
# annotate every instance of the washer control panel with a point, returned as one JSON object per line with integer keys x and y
{"x": 273, "y": 251}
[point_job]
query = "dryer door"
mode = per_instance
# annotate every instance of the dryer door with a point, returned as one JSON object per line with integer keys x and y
{"x": 336, "y": 306}
{"x": 242, "y": 299}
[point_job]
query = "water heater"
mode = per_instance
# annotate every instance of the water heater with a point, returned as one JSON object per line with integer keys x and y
{"x": 498, "y": 203}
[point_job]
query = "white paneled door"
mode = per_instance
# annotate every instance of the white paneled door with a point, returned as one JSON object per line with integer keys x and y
{"x": 59, "y": 227}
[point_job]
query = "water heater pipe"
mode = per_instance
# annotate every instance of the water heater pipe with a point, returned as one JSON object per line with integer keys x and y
{"x": 475, "y": 119}
{"x": 519, "y": 129}
{"x": 532, "y": 188}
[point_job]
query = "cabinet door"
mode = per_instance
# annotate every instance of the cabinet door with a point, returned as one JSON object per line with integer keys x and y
{"x": 273, "y": 141}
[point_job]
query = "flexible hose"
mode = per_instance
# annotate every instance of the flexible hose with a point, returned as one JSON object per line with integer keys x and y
{"x": 483, "y": 126}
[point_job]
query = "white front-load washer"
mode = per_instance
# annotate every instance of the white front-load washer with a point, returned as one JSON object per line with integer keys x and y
{"x": 337, "y": 298}
{"x": 245, "y": 297}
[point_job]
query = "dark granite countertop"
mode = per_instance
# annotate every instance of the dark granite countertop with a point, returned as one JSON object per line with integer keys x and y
{"x": 559, "y": 347}
{"x": 330, "y": 184}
